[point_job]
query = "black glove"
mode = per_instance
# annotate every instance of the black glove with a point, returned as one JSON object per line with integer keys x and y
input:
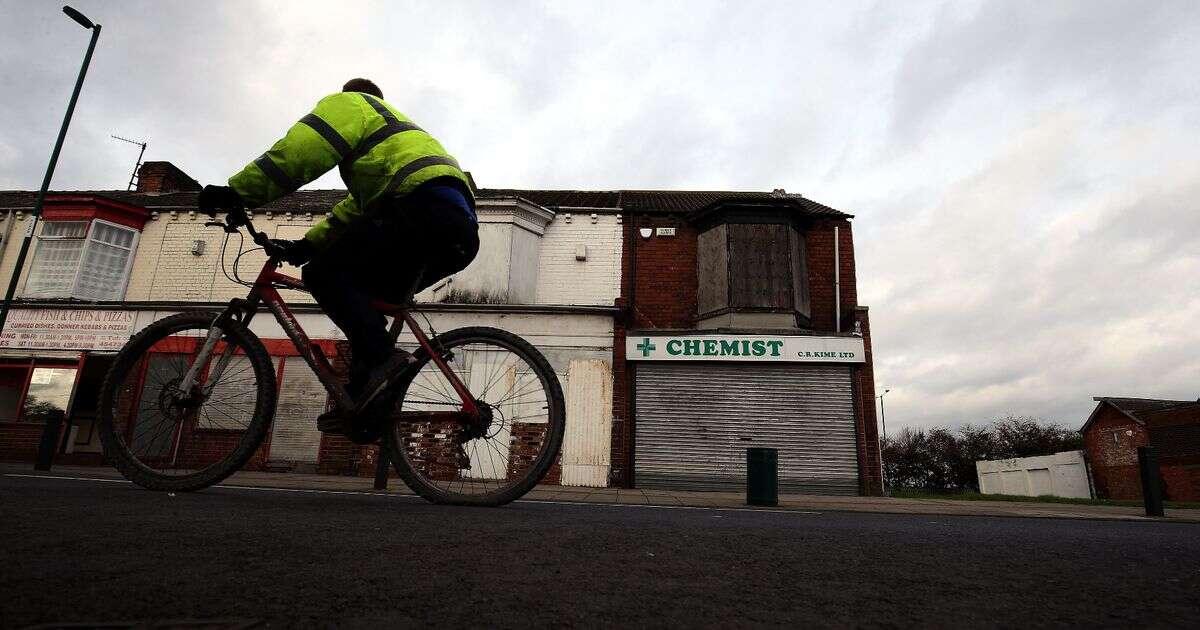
{"x": 214, "y": 198}
{"x": 295, "y": 252}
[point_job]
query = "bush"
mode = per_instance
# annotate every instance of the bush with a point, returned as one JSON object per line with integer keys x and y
{"x": 944, "y": 460}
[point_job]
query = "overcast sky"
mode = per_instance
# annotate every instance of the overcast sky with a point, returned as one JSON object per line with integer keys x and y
{"x": 1023, "y": 175}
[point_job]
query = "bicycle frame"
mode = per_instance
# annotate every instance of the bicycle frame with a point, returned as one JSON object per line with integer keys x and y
{"x": 265, "y": 291}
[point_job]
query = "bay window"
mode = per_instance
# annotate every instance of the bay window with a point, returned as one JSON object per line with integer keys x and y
{"x": 752, "y": 268}
{"x": 86, "y": 260}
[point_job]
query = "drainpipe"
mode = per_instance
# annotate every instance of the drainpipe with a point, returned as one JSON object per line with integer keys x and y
{"x": 837, "y": 284}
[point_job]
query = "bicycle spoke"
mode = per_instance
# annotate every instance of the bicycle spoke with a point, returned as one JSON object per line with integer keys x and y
{"x": 175, "y": 433}
{"x": 498, "y": 456}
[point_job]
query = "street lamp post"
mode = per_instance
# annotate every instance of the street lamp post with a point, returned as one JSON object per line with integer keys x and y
{"x": 879, "y": 445}
{"x": 49, "y": 443}
{"x": 62, "y": 134}
{"x": 882, "y": 415}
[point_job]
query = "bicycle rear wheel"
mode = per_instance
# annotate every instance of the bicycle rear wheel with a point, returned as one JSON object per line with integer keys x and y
{"x": 163, "y": 438}
{"x": 492, "y": 462}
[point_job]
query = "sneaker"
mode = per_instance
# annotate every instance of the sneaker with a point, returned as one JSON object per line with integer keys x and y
{"x": 332, "y": 422}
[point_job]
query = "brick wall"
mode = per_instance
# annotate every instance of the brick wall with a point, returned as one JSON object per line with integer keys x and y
{"x": 19, "y": 440}
{"x": 866, "y": 429}
{"x": 1111, "y": 443}
{"x": 819, "y": 240}
{"x": 164, "y": 177}
{"x": 1175, "y": 435}
{"x": 202, "y": 448}
{"x": 665, "y": 285}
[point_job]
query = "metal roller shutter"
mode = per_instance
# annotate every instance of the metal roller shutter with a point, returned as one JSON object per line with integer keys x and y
{"x": 294, "y": 436}
{"x": 695, "y": 422}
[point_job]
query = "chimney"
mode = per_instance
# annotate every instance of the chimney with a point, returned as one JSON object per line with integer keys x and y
{"x": 164, "y": 177}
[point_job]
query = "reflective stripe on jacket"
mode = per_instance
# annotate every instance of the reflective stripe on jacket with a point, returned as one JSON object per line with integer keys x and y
{"x": 377, "y": 149}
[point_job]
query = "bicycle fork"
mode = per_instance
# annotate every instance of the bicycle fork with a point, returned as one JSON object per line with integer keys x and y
{"x": 214, "y": 375}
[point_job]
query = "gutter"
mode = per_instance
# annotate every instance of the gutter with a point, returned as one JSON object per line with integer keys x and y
{"x": 837, "y": 283}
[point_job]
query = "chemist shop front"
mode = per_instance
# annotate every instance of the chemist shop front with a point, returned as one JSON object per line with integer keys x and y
{"x": 52, "y": 363}
{"x": 701, "y": 399}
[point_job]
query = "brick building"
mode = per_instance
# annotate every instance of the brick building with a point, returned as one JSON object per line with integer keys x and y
{"x": 1118, "y": 426}
{"x": 570, "y": 271}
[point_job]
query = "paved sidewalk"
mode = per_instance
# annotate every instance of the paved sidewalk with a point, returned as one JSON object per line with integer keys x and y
{"x": 674, "y": 498}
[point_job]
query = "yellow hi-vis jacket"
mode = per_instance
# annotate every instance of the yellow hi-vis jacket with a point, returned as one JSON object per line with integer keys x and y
{"x": 377, "y": 149}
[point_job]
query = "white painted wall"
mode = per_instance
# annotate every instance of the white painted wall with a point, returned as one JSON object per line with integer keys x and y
{"x": 525, "y": 250}
{"x": 539, "y": 265}
{"x": 596, "y": 281}
{"x": 1060, "y": 475}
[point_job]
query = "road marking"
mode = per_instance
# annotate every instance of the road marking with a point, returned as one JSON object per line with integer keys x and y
{"x": 67, "y": 478}
{"x": 413, "y": 496}
{"x": 668, "y": 507}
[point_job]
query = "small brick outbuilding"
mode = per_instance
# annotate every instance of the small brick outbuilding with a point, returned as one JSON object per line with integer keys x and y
{"x": 1118, "y": 426}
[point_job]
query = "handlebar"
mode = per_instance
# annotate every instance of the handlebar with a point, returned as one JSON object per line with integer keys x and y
{"x": 237, "y": 218}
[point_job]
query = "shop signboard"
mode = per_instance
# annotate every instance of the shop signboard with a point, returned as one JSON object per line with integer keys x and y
{"x": 66, "y": 329}
{"x": 749, "y": 348}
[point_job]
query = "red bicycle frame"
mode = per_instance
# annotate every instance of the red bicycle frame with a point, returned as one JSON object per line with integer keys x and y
{"x": 265, "y": 290}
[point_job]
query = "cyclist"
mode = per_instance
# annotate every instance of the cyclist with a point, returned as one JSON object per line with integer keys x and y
{"x": 407, "y": 221}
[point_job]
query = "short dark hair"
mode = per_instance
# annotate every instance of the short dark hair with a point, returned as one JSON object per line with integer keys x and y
{"x": 366, "y": 86}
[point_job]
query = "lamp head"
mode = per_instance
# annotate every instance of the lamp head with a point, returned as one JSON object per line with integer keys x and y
{"x": 78, "y": 17}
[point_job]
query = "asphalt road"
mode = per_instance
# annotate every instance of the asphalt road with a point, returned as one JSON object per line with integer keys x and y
{"x": 92, "y": 552}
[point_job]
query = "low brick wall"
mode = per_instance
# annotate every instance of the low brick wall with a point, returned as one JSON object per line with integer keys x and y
{"x": 19, "y": 440}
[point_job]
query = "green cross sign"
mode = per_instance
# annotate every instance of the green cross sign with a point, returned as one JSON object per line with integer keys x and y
{"x": 646, "y": 347}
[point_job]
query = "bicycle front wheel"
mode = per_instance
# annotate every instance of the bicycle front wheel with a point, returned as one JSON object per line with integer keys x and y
{"x": 487, "y": 462}
{"x": 163, "y": 437}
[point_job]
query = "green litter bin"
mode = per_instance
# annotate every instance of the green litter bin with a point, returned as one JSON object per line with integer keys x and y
{"x": 762, "y": 476}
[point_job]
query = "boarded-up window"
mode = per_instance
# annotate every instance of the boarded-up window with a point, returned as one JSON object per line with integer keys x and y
{"x": 799, "y": 261}
{"x": 760, "y": 266}
{"x": 713, "y": 270}
{"x": 752, "y": 267}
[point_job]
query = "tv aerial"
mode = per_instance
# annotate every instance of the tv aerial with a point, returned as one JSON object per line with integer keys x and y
{"x": 133, "y": 178}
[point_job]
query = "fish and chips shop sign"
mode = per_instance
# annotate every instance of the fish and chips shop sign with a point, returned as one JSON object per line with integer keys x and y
{"x": 67, "y": 329}
{"x": 754, "y": 348}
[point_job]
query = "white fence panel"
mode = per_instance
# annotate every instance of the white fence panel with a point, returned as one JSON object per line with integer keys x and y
{"x": 1060, "y": 475}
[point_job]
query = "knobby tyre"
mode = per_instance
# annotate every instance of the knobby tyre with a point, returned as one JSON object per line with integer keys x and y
{"x": 498, "y": 460}
{"x": 160, "y": 438}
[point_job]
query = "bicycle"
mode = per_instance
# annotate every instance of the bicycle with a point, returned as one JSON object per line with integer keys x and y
{"x": 176, "y": 412}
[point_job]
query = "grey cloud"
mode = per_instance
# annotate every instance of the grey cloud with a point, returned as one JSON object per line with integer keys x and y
{"x": 1106, "y": 48}
{"x": 1103, "y": 303}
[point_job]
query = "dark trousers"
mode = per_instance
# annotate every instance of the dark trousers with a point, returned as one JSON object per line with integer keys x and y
{"x": 407, "y": 245}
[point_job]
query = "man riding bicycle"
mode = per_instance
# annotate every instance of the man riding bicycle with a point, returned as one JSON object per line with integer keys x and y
{"x": 408, "y": 219}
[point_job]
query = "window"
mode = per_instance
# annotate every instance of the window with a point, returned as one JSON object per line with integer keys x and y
{"x": 33, "y": 392}
{"x": 88, "y": 260}
{"x": 753, "y": 272}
